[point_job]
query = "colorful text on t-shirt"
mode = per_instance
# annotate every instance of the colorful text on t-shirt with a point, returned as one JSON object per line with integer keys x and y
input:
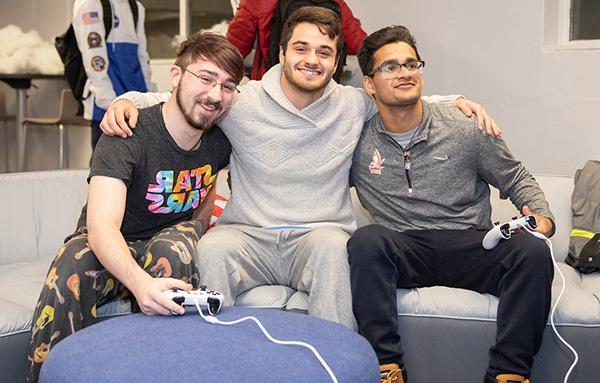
{"x": 189, "y": 189}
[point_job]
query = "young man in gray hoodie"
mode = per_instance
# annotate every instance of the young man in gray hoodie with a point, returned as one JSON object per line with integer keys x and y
{"x": 422, "y": 172}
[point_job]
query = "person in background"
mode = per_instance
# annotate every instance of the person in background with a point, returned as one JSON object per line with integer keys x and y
{"x": 423, "y": 173}
{"x": 252, "y": 22}
{"x": 150, "y": 200}
{"x": 116, "y": 63}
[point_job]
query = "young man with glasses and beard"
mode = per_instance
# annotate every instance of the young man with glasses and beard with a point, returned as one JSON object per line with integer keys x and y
{"x": 423, "y": 172}
{"x": 149, "y": 202}
{"x": 292, "y": 135}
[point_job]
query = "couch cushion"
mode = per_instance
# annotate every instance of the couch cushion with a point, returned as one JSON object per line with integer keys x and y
{"x": 19, "y": 290}
{"x": 579, "y": 305}
{"x": 265, "y": 297}
{"x": 446, "y": 302}
{"x": 15, "y": 318}
{"x": 42, "y": 212}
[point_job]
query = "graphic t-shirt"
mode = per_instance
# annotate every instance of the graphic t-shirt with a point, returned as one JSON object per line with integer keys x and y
{"x": 164, "y": 182}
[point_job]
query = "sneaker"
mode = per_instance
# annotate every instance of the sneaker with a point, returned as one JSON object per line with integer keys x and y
{"x": 506, "y": 378}
{"x": 392, "y": 373}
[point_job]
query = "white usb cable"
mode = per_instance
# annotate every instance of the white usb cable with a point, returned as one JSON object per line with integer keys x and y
{"x": 562, "y": 290}
{"x": 215, "y": 320}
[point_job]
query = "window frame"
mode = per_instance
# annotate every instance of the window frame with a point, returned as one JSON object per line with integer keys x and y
{"x": 557, "y": 24}
{"x": 185, "y": 26}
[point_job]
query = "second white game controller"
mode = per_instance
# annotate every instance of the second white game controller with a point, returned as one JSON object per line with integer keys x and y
{"x": 505, "y": 230}
{"x": 212, "y": 300}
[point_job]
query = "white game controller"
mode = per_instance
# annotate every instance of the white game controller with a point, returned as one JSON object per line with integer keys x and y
{"x": 212, "y": 300}
{"x": 505, "y": 230}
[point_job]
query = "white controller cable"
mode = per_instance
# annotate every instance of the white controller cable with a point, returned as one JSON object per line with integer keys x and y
{"x": 562, "y": 290}
{"x": 215, "y": 320}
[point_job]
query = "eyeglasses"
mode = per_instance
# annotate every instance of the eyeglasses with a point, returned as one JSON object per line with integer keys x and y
{"x": 229, "y": 88}
{"x": 391, "y": 70}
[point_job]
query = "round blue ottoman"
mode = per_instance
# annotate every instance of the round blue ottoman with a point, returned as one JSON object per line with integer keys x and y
{"x": 140, "y": 348}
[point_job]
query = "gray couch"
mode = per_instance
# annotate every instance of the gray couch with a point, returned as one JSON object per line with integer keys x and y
{"x": 446, "y": 332}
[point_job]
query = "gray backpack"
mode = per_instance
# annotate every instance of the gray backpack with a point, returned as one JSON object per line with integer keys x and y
{"x": 584, "y": 245}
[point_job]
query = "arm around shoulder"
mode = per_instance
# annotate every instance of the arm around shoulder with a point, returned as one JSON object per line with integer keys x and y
{"x": 485, "y": 122}
{"x": 448, "y": 100}
{"x": 122, "y": 114}
{"x": 144, "y": 100}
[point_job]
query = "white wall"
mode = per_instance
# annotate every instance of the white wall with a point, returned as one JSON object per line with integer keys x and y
{"x": 48, "y": 17}
{"x": 546, "y": 101}
{"x": 491, "y": 51}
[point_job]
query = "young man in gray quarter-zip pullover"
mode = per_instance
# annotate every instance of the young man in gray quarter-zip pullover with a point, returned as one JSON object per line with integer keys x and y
{"x": 423, "y": 173}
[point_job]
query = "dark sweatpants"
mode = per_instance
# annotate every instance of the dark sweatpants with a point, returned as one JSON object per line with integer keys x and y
{"x": 519, "y": 271}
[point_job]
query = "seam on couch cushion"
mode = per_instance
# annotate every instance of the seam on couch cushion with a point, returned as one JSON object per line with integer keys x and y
{"x": 566, "y": 324}
{"x": 14, "y": 333}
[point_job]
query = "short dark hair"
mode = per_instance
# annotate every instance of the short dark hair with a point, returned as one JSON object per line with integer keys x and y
{"x": 324, "y": 18}
{"x": 213, "y": 47}
{"x": 384, "y": 36}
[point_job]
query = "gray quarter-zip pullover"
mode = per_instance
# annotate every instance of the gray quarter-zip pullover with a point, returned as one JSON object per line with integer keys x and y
{"x": 451, "y": 165}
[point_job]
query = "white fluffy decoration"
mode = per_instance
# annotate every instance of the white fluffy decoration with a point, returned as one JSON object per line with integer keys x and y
{"x": 220, "y": 28}
{"x": 27, "y": 53}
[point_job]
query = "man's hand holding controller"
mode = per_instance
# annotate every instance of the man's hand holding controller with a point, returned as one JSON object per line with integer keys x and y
{"x": 152, "y": 300}
{"x": 539, "y": 226}
{"x": 212, "y": 300}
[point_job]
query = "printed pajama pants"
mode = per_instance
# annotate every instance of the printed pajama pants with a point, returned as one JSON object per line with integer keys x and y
{"x": 77, "y": 283}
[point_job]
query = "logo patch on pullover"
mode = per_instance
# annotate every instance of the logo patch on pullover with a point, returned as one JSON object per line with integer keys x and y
{"x": 376, "y": 165}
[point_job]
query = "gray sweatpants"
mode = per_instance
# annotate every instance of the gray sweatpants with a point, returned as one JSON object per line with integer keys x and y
{"x": 235, "y": 258}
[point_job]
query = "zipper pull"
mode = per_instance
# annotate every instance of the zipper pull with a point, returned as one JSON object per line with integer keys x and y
{"x": 407, "y": 168}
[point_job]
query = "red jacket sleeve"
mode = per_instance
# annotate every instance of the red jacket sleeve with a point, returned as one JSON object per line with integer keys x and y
{"x": 353, "y": 32}
{"x": 242, "y": 29}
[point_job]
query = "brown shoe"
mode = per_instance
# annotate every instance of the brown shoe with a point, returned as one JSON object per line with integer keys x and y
{"x": 511, "y": 378}
{"x": 392, "y": 373}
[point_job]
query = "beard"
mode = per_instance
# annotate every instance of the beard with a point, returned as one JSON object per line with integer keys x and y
{"x": 305, "y": 86}
{"x": 400, "y": 98}
{"x": 405, "y": 101}
{"x": 201, "y": 122}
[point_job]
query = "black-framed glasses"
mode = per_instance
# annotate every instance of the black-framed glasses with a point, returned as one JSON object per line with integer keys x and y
{"x": 227, "y": 87}
{"x": 392, "y": 69}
